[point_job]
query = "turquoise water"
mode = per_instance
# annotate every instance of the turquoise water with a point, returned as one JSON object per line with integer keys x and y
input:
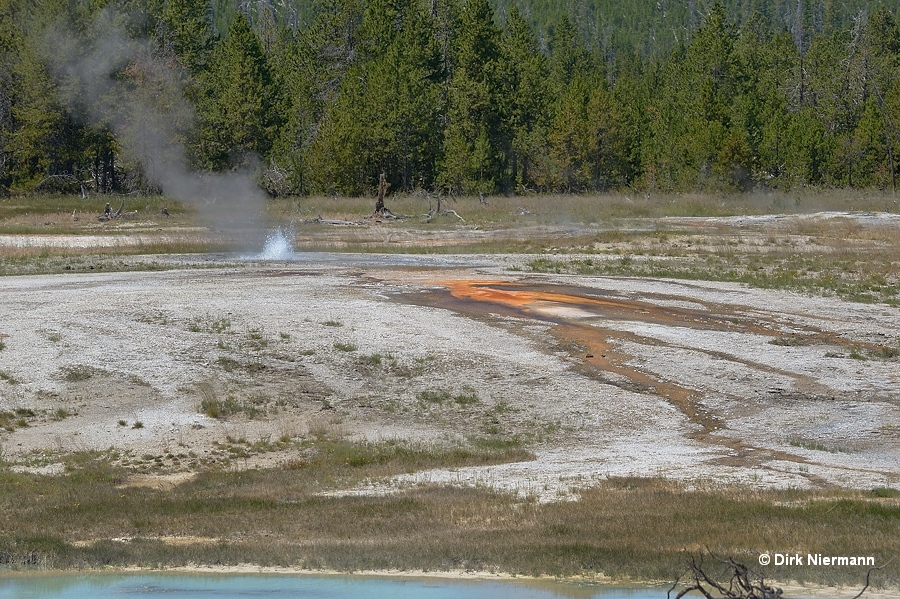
{"x": 177, "y": 586}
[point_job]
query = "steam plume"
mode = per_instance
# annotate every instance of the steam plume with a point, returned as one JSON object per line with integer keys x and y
{"x": 137, "y": 90}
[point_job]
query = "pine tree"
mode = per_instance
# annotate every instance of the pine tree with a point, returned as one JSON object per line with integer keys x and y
{"x": 296, "y": 75}
{"x": 238, "y": 112}
{"x": 525, "y": 98}
{"x": 569, "y": 57}
{"x": 692, "y": 144}
{"x": 9, "y": 50}
{"x": 41, "y": 142}
{"x": 386, "y": 116}
{"x": 192, "y": 34}
{"x": 474, "y": 137}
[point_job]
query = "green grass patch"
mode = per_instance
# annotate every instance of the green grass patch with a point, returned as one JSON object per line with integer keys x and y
{"x": 817, "y": 446}
{"x": 5, "y": 376}
{"x": 466, "y": 397}
{"x": 884, "y": 353}
{"x": 76, "y": 373}
{"x": 791, "y": 341}
{"x": 627, "y": 528}
{"x": 345, "y": 346}
{"x": 229, "y": 406}
{"x": 210, "y": 324}
{"x": 8, "y": 421}
{"x": 817, "y": 275}
{"x": 434, "y": 396}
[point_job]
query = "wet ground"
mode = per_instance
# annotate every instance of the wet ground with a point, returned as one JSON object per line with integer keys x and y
{"x": 710, "y": 383}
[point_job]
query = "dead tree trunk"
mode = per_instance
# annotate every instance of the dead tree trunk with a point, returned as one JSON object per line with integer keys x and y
{"x": 380, "y": 209}
{"x": 108, "y": 213}
{"x": 382, "y": 190}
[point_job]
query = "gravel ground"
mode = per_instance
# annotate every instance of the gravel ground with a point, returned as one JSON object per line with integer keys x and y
{"x": 364, "y": 347}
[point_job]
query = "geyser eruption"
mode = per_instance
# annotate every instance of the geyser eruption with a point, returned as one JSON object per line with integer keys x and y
{"x": 279, "y": 245}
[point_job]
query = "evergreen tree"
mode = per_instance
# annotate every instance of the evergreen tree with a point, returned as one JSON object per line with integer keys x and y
{"x": 474, "y": 139}
{"x": 692, "y": 144}
{"x": 9, "y": 49}
{"x": 569, "y": 57}
{"x": 192, "y": 34}
{"x": 239, "y": 115}
{"x": 296, "y": 75}
{"x": 386, "y": 117}
{"x": 44, "y": 135}
{"x": 525, "y": 98}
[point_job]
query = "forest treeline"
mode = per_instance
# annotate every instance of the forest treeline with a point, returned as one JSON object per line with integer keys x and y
{"x": 443, "y": 95}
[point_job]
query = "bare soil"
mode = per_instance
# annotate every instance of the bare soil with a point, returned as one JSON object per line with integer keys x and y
{"x": 709, "y": 383}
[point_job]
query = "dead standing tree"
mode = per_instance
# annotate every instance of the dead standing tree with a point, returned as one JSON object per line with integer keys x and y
{"x": 434, "y": 211}
{"x": 380, "y": 209}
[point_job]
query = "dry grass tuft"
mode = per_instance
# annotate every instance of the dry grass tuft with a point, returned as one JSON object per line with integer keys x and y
{"x": 627, "y": 528}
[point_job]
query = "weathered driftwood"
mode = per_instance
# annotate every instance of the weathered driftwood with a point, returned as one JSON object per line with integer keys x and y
{"x": 108, "y": 214}
{"x": 741, "y": 582}
{"x": 435, "y": 210}
{"x": 332, "y": 221}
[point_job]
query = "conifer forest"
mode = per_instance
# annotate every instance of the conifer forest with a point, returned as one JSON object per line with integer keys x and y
{"x": 462, "y": 96}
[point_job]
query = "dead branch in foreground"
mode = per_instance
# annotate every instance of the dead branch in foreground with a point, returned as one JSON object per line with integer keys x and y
{"x": 742, "y": 583}
{"x": 869, "y": 574}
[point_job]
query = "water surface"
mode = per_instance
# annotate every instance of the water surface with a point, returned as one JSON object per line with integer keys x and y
{"x": 189, "y": 586}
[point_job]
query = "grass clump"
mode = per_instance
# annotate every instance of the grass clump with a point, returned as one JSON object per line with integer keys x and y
{"x": 221, "y": 408}
{"x": 373, "y": 360}
{"x": 229, "y": 364}
{"x": 5, "y": 376}
{"x": 76, "y": 373}
{"x": 884, "y": 353}
{"x": 8, "y": 421}
{"x": 210, "y": 324}
{"x": 345, "y": 346}
{"x": 466, "y": 397}
{"x": 434, "y": 396}
{"x": 817, "y": 446}
{"x": 789, "y": 341}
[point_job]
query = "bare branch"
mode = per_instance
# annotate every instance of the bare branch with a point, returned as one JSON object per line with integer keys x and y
{"x": 869, "y": 574}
